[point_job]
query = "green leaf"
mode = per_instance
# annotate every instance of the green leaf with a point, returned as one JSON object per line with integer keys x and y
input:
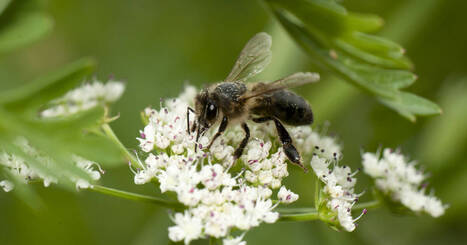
{"x": 410, "y": 105}
{"x": 376, "y": 57}
{"x": 56, "y": 139}
{"x": 21, "y": 24}
{"x": 390, "y": 79}
{"x": 338, "y": 41}
{"x": 76, "y": 132}
{"x": 48, "y": 144}
{"x": 343, "y": 31}
{"x": 44, "y": 166}
{"x": 69, "y": 124}
{"x": 30, "y": 97}
{"x": 328, "y": 59}
{"x": 23, "y": 192}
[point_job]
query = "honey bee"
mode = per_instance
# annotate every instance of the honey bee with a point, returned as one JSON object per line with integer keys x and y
{"x": 234, "y": 101}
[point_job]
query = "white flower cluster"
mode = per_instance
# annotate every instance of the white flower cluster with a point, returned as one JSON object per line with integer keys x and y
{"x": 339, "y": 196}
{"x": 218, "y": 198}
{"x": 311, "y": 142}
{"x": 21, "y": 170}
{"x": 264, "y": 168}
{"x": 84, "y": 98}
{"x": 401, "y": 181}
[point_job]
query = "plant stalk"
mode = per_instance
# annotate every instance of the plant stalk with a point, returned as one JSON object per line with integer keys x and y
{"x": 128, "y": 155}
{"x": 368, "y": 205}
{"x": 313, "y": 215}
{"x": 308, "y": 214}
{"x": 136, "y": 197}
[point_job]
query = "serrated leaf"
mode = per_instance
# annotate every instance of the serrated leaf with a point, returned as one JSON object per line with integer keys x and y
{"x": 58, "y": 139}
{"x": 323, "y": 17}
{"x": 44, "y": 167}
{"x": 364, "y": 22}
{"x": 69, "y": 124}
{"x": 337, "y": 63}
{"x": 377, "y": 45}
{"x": 391, "y": 79}
{"x": 24, "y": 193}
{"x": 336, "y": 40}
{"x": 418, "y": 105}
{"x": 374, "y": 58}
{"x": 343, "y": 31}
{"x": 75, "y": 131}
{"x": 410, "y": 105}
{"x": 63, "y": 138}
{"x": 22, "y": 24}
{"x": 43, "y": 142}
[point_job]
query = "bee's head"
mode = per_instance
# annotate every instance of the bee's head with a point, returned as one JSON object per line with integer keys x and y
{"x": 207, "y": 111}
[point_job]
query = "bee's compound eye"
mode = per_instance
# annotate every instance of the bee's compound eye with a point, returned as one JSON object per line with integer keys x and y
{"x": 211, "y": 111}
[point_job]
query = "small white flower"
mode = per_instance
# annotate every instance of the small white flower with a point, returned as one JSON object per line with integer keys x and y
{"x": 434, "y": 206}
{"x": 113, "y": 90}
{"x": 401, "y": 181}
{"x": 88, "y": 166}
{"x": 371, "y": 165}
{"x": 286, "y": 196}
{"x": 308, "y": 141}
{"x": 265, "y": 177}
{"x": 148, "y": 137}
{"x": 84, "y": 98}
{"x": 234, "y": 241}
{"x": 7, "y": 185}
{"x": 187, "y": 228}
{"x": 83, "y": 184}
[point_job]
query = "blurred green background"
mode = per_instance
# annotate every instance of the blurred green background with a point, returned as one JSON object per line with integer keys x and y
{"x": 156, "y": 46}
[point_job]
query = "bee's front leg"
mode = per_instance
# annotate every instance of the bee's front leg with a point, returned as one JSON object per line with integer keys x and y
{"x": 188, "y": 109}
{"x": 222, "y": 127}
{"x": 241, "y": 147}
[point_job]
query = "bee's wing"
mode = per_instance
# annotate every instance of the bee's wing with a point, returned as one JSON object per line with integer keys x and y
{"x": 294, "y": 80}
{"x": 254, "y": 57}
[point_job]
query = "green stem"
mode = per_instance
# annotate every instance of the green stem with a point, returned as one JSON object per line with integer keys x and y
{"x": 136, "y": 197}
{"x": 308, "y": 214}
{"x": 314, "y": 215}
{"x": 368, "y": 205}
{"x": 128, "y": 155}
{"x": 317, "y": 191}
{"x": 295, "y": 210}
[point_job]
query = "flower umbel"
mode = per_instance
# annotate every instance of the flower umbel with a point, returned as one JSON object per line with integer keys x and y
{"x": 401, "y": 181}
{"x": 220, "y": 195}
{"x": 84, "y": 98}
{"x": 337, "y": 196}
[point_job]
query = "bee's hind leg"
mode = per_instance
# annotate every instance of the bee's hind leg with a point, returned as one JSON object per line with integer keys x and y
{"x": 287, "y": 144}
{"x": 241, "y": 147}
